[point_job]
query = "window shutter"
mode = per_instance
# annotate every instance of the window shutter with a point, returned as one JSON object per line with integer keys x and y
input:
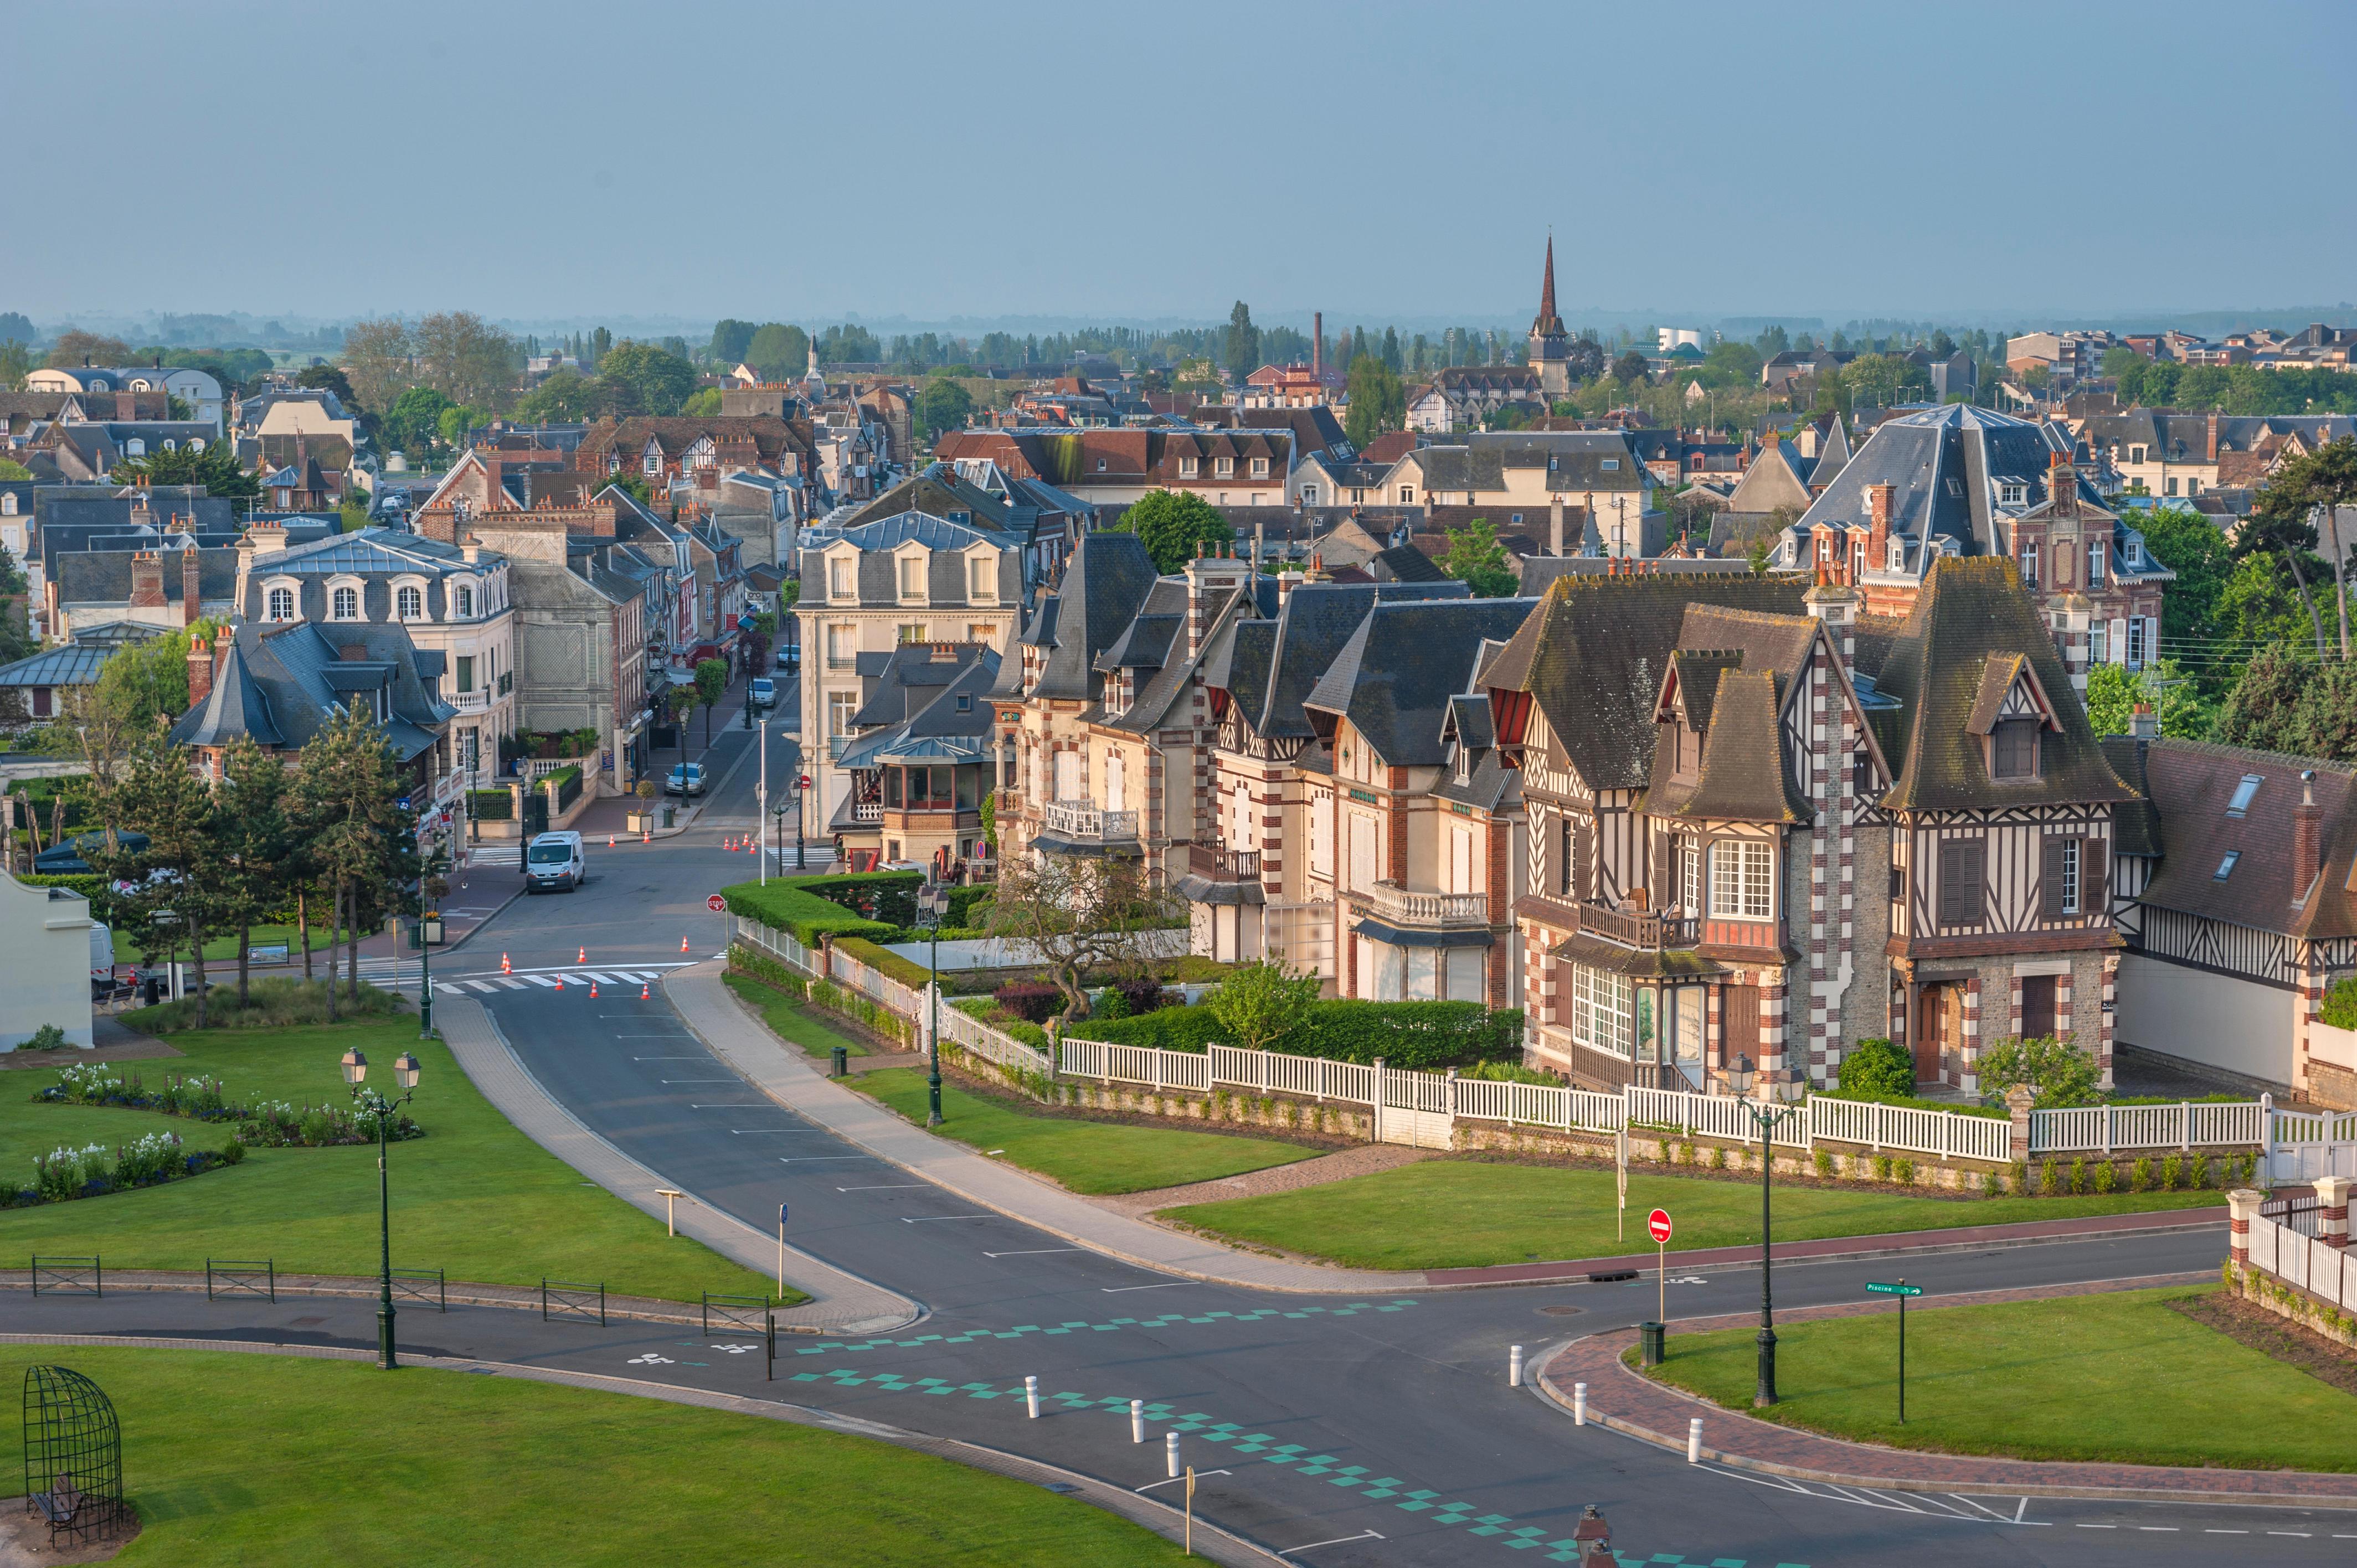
{"x": 1952, "y": 877}
{"x": 2049, "y": 879}
{"x": 1583, "y": 855}
{"x": 1975, "y": 868}
{"x": 2095, "y": 895}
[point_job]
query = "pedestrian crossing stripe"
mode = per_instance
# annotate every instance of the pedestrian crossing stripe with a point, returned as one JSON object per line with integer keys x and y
{"x": 539, "y": 980}
{"x": 479, "y": 985}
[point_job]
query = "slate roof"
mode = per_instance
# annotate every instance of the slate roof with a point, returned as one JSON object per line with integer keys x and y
{"x": 1968, "y": 611}
{"x": 236, "y": 706}
{"x": 1593, "y": 655}
{"x": 1105, "y": 584}
{"x": 1479, "y": 463}
{"x": 293, "y": 675}
{"x": 1943, "y": 464}
{"x": 2191, "y": 784}
{"x": 1272, "y": 664}
{"x": 916, "y": 697}
{"x": 71, "y": 664}
{"x": 1394, "y": 678}
{"x": 1742, "y": 777}
{"x": 1406, "y": 563}
{"x": 104, "y": 576}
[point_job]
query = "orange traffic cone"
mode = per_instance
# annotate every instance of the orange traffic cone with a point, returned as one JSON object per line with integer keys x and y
{"x": 643, "y": 995}
{"x": 505, "y": 967}
{"x": 646, "y": 835}
{"x": 682, "y": 944}
{"x": 560, "y": 982}
{"x": 593, "y": 991}
{"x": 609, "y": 841}
{"x": 581, "y": 956}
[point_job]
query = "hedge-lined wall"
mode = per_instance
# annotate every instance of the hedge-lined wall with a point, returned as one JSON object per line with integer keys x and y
{"x": 887, "y": 897}
{"x": 866, "y": 951}
{"x": 1429, "y": 1035}
{"x": 784, "y": 904}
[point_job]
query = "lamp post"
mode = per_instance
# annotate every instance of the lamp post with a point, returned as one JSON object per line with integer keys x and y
{"x": 761, "y": 790}
{"x": 372, "y": 1103}
{"x": 1765, "y": 1117}
{"x": 933, "y": 903}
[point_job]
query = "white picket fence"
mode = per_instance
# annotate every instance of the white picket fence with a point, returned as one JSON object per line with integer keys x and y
{"x": 2301, "y": 1146}
{"x": 2304, "y": 1260}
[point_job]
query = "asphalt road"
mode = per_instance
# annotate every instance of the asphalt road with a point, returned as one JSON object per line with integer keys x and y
{"x": 1310, "y": 1420}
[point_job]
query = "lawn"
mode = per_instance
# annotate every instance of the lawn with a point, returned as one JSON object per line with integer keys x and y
{"x": 789, "y": 1019}
{"x": 1448, "y": 1214}
{"x": 234, "y": 1459}
{"x": 1085, "y": 1156}
{"x": 223, "y": 950}
{"x": 474, "y": 1196}
{"x": 2117, "y": 1378}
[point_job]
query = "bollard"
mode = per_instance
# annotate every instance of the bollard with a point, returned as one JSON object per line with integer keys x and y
{"x": 1137, "y": 1420}
{"x": 1579, "y": 1404}
{"x": 1694, "y": 1441}
{"x": 1031, "y": 1396}
{"x": 840, "y": 1061}
{"x": 1514, "y": 1368}
{"x": 1170, "y": 1448}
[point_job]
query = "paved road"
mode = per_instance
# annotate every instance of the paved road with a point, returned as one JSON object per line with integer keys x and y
{"x": 1380, "y": 1425}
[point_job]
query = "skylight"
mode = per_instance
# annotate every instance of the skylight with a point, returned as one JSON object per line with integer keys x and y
{"x": 2242, "y": 793}
{"x": 2226, "y": 867}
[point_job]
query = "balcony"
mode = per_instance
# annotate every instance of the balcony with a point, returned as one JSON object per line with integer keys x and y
{"x": 1207, "y": 860}
{"x": 1081, "y": 820}
{"x": 866, "y": 810}
{"x": 1402, "y": 907}
{"x": 1637, "y": 927}
{"x": 473, "y": 702}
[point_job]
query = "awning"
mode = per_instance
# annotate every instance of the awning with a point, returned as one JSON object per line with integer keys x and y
{"x": 1418, "y": 937}
{"x": 1203, "y": 890}
{"x": 1636, "y": 964}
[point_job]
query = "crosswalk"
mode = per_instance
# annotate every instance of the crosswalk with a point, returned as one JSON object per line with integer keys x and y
{"x": 552, "y": 980}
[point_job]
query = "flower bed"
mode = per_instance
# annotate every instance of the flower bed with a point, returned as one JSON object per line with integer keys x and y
{"x": 93, "y": 1170}
{"x": 268, "y": 1124}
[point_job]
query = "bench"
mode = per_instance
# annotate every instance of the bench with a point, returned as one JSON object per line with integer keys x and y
{"x": 59, "y": 1506}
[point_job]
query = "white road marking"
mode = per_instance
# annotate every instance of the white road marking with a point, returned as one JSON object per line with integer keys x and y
{"x": 686, "y": 1080}
{"x": 479, "y": 985}
{"x": 539, "y": 980}
{"x": 449, "y": 990}
{"x": 928, "y": 1218}
{"x": 812, "y": 1159}
{"x": 1119, "y": 1289}
{"x": 1035, "y": 1252}
{"x": 888, "y": 1187}
{"x": 1362, "y": 1535}
{"x": 513, "y": 985}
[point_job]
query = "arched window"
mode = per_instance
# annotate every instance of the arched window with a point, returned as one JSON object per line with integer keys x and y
{"x": 171, "y": 445}
{"x": 412, "y": 603}
{"x": 1896, "y": 549}
{"x": 196, "y": 442}
{"x": 347, "y": 604}
{"x": 281, "y": 604}
{"x": 135, "y": 447}
{"x": 465, "y": 600}
{"x": 8, "y": 503}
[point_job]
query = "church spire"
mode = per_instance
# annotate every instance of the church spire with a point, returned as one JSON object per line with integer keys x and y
{"x": 1546, "y": 289}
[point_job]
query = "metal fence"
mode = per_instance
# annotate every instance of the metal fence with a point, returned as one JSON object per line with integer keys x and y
{"x": 225, "y": 1277}
{"x": 423, "y": 1284}
{"x": 570, "y": 1298}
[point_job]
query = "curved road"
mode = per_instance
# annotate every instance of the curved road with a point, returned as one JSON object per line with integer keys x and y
{"x": 1338, "y": 1431}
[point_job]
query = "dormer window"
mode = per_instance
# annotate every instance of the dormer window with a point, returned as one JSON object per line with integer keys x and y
{"x": 982, "y": 580}
{"x": 1260, "y": 467}
{"x": 135, "y": 447}
{"x": 281, "y": 604}
{"x": 913, "y": 576}
{"x": 1223, "y": 467}
{"x": 2226, "y": 867}
{"x": 2013, "y": 494}
{"x": 466, "y": 602}
{"x": 1189, "y": 467}
{"x": 2013, "y": 749}
{"x": 409, "y": 604}
{"x": 345, "y": 603}
{"x": 1101, "y": 465}
{"x": 2136, "y": 553}
{"x": 838, "y": 580}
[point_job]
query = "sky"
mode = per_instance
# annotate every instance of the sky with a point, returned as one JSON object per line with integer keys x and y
{"x": 539, "y": 162}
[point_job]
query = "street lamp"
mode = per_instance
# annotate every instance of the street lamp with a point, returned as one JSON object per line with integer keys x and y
{"x": 1765, "y": 1114}
{"x": 371, "y": 1102}
{"x": 932, "y": 904}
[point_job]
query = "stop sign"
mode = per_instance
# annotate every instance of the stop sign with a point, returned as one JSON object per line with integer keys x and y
{"x": 1658, "y": 1222}
{"x": 716, "y": 904}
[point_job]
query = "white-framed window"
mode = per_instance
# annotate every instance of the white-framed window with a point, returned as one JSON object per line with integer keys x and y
{"x": 1223, "y": 467}
{"x": 1742, "y": 879}
{"x": 1321, "y": 836}
{"x": 1310, "y": 495}
{"x": 981, "y": 579}
{"x": 1690, "y": 875}
{"x": 1189, "y": 467}
{"x": 8, "y": 503}
{"x": 842, "y": 647}
{"x": 171, "y": 445}
{"x": 2069, "y": 868}
{"x": 1407, "y": 495}
{"x": 1116, "y": 782}
{"x": 281, "y": 604}
{"x": 345, "y": 603}
{"x": 196, "y": 442}
{"x": 409, "y": 604}
{"x": 135, "y": 447}
{"x": 2137, "y": 641}
{"x": 1894, "y": 553}
{"x": 1260, "y": 467}
{"x": 2096, "y": 550}
{"x": 912, "y": 631}
{"x": 1603, "y": 1011}
{"x": 2098, "y": 644}
{"x": 839, "y": 584}
{"x": 840, "y": 706}
{"x": 1365, "y": 865}
{"x": 2012, "y": 494}
{"x": 913, "y": 576}
{"x": 1067, "y": 774}
{"x": 2029, "y": 564}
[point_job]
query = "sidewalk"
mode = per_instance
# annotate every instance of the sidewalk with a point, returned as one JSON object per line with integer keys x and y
{"x": 1627, "y": 1402}
{"x": 709, "y": 1010}
{"x": 841, "y": 1302}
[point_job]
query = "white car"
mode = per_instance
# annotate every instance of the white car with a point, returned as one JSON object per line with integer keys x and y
{"x": 555, "y": 860}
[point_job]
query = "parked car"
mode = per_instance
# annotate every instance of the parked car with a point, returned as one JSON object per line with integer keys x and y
{"x": 554, "y": 861}
{"x": 686, "y": 779}
{"x": 765, "y": 692}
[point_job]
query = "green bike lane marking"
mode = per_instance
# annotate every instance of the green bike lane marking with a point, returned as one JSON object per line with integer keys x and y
{"x": 1261, "y": 1445}
{"x": 1111, "y": 1326}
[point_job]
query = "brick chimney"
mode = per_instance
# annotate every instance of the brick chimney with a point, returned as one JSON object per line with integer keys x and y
{"x": 191, "y": 587}
{"x": 2144, "y": 723}
{"x": 201, "y": 672}
{"x": 1555, "y": 525}
{"x": 146, "y": 581}
{"x": 2210, "y": 438}
{"x": 2306, "y": 838}
{"x": 2062, "y": 484}
{"x": 1879, "y": 499}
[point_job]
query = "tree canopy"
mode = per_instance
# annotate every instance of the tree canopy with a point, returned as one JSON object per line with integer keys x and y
{"x": 1172, "y": 524}
{"x": 943, "y": 406}
{"x": 215, "y": 467}
{"x": 730, "y": 340}
{"x": 643, "y": 379}
{"x": 1240, "y": 353}
{"x": 779, "y": 352}
{"x": 1378, "y": 400}
{"x": 1476, "y": 558}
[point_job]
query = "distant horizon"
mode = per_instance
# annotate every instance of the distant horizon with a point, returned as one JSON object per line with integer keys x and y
{"x": 1032, "y": 163}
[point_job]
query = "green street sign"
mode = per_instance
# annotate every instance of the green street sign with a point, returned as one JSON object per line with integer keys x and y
{"x": 1894, "y": 1290}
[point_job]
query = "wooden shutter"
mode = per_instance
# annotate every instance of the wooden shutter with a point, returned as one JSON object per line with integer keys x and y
{"x": 1583, "y": 858}
{"x": 1960, "y": 882}
{"x": 2050, "y": 878}
{"x": 1738, "y": 1023}
{"x": 2094, "y": 893}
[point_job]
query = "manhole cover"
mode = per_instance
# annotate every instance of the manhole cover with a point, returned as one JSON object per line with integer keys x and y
{"x": 1560, "y": 1310}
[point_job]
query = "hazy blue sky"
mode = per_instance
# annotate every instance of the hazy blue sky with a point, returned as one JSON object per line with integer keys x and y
{"x": 766, "y": 160}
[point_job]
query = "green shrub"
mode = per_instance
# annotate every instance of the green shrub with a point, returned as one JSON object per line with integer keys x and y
{"x": 2140, "y": 1177}
{"x": 232, "y": 1153}
{"x": 761, "y": 966}
{"x": 275, "y": 1003}
{"x": 1993, "y": 1183}
{"x": 1719, "y": 1159}
{"x": 2079, "y": 1175}
{"x": 2340, "y": 1004}
{"x": 2049, "y": 1177}
{"x": 2200, "y": 1173}
{"x": 1903, "y": 1172}
{"x": 888, "y": 896}
{"x": 1507, "y": 1073}
{"x": 491, "y": 805}
{"x": 2104, "y": 1176}
{"x": 1823, "y": 1160}
{"x": 1877, "y": 1066}
{"x": 1110, "y": 1003}
{"x": 1032, "y": 1002}
{"x": 785, "y": 907}
{"x": 1426, "y": 1035}
{"x": 2057, "y": 1072}
{"x": 48, "y": 1037}
{"x": 1882, "y": 1167}
{"x": 2172, "y": 1174}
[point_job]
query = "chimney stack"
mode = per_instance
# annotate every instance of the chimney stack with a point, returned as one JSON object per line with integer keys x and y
{"x": 1555, "y": 525}
{"x": 2144, "y": 723}
{"x": 2306, "y": 838}
{"x": 146, "y": 581}
{"x": 1317, "y": 346}
{"x": 191, "y": 587}
{"x": 2210, "y": 438}
{"x": 200, "y": 672}
{"x": 1879, "y": 501}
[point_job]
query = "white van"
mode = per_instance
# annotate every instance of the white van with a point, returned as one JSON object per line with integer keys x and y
{"x": 553, "y": 861}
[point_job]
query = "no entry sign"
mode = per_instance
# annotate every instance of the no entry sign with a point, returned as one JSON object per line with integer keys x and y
{"x": 716, "y": 903}
{"x": 1658, "y": 1223}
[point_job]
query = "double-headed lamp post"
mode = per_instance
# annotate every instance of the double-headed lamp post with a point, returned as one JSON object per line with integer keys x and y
{"x": 372, "y": 1103}
{"x": 1774, "y": 1105}
{"x": 932, "y": 906}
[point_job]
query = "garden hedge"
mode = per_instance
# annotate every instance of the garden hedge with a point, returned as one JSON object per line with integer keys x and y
{"x": 1429, "y": 1035}
{"x": 787, "y": 908}
{"x": 88, "y": 883}
{"x": 886, "y": 897}
{"x": 866, "y": 951}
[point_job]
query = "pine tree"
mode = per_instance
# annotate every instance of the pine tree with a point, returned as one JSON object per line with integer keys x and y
{"x": 255, "y": 843}
{"x": 178, "y": 880}
{"x": 1391, "y": 349}
{"x": 347, "y": 793}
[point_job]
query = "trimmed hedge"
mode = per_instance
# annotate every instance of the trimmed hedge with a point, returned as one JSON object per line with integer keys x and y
{"x": 866, "y": 951}
{"x": 88, "y": 883}
{"x": 886, "y": 896}
{"x": 785, "y": 907}
{"x": 761, "y": 966}
{"x": 1428, "y": 1035}
{"x": 492, "y": 805}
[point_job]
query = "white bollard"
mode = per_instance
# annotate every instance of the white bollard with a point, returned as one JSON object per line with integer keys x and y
{"x": 1031, "y": 1396}
{"x": 1694, "y": 1441}
{"x": 1137, "y": 1420}
{"x": 1579, "y": 1404}
{"x": 1170, "y": 1448}
{"x": 1514, "y": 1368}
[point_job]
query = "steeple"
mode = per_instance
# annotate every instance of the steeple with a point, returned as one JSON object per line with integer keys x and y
{"x": 1550, "y": 343}
{"x": 1549, "y": 323}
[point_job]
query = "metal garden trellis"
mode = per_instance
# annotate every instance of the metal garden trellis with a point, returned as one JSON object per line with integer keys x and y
{"x": 73, "y": 1455}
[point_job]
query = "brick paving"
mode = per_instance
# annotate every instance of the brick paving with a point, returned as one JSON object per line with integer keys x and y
{"x": 1621, "y": 1398}
{"x": 1966, "y": 1238}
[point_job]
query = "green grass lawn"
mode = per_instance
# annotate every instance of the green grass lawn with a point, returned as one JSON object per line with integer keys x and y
{"x": 236, "y": 1459}
{"x": 220, "y": 949}
{"x": 790, "y": 1020}
{"x": 474, "y": 1196}
{"x": 1086, "y": 1156}
{"x": 1445, "y": 1214}
{"x": 2116, "y": 1378}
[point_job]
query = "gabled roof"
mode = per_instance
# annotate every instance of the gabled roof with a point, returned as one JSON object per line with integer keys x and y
{"x": 1394, "y": 678}
{"x": 1743, "y": 776}
{"x": 1968, "y": 612}
{"x": 1103, "y": 586}
{"x": 234, "y": 707}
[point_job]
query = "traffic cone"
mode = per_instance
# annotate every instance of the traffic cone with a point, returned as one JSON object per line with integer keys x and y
{"x": 560, "y": 982}
{"x": 609, "y": 841}
{"x": 646, "y": 835}
{"x": 643, "y": 995}
{"x": 593, "y": 991}
{"x": 581, "y": 956}
{"x": 682, "y": 944}
{"x": 505, "y": 967}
